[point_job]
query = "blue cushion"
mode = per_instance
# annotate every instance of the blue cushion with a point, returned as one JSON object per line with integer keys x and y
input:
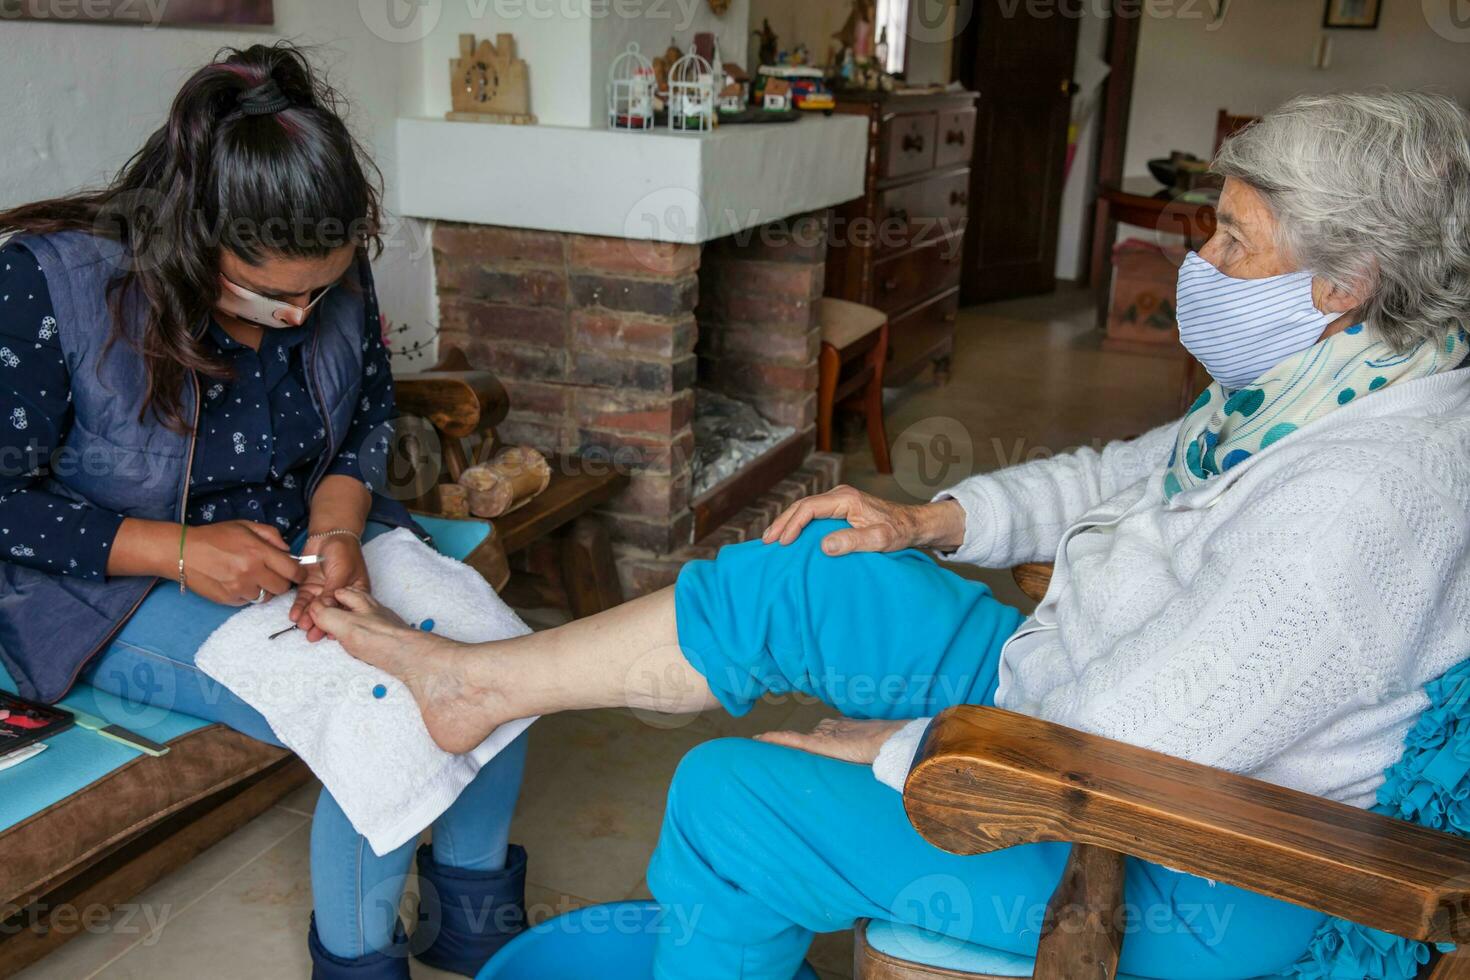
{"x": 454, "y": 538}
{"x": 77, "y": 758}
{"x": 916, "y": 945}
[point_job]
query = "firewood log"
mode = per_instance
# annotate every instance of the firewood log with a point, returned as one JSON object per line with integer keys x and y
{"x": 506, "y": 482}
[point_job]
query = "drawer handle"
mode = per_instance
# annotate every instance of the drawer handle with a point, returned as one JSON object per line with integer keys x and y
{"x": 899, "y": 214}
{"x": 913, "y": 143}
{"x": 949, "y": 317}
{"x": 959, "y": 198}
{"x": 954, "y": 137}
{"x": 889, "y": 285}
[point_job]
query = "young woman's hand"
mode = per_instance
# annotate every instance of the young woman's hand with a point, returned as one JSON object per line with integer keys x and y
{"x": 839, "y": 738}
{"x": 342, "y": 567}
{"x": 231, "y": 562}
{"x": 877, "y": 525}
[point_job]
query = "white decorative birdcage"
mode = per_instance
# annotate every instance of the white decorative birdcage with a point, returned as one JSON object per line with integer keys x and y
{"x": 630, "y": 85}
{"x": 692, "y": 95}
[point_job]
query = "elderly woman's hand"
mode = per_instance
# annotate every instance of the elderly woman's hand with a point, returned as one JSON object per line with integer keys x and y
{"x": 877, "y": 525}
{"x": 839, "y": 738}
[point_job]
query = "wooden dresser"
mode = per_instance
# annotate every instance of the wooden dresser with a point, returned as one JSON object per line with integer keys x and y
{"x": 900, "y": 247}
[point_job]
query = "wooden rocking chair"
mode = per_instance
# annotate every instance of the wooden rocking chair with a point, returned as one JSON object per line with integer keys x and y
{"x": 987, "y": 779}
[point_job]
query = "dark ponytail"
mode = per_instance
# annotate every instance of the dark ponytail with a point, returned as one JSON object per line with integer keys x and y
{"x": 230, "y": 169}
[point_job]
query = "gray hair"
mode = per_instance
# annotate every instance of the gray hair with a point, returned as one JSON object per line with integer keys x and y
{"x": 1370, "y": 190}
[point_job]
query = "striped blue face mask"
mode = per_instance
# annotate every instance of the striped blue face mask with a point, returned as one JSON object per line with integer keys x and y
{"x": 1241, "y": 328}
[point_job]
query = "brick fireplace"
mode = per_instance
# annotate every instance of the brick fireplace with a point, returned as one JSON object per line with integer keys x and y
{"x": 601, "y": 342}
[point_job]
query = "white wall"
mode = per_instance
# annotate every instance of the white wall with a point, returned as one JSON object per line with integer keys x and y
{"x": 81, "y": 97}
{"x": 1092, "y": 37}
{"x": 1260, "y": 56}
{"x": 554, "y": 37}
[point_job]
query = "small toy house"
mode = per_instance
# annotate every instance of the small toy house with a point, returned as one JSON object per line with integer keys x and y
{"x": 776, "y": 95}
{"x": 735, "y": 96}
{"x": 731, "y": 98}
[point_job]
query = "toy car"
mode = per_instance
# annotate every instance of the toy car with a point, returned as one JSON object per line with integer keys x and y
{"x": 806, "y": 88}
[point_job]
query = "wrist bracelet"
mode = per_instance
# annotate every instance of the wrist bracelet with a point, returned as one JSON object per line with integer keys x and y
{"x": 335, "y": 532}
{"x": 183, "y": 533}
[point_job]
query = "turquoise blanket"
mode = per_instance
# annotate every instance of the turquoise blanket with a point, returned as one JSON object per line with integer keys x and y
{"x": 1427, "y": 786}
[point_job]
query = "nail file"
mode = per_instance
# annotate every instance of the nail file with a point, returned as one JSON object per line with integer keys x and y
{"x": 20, "y": 755}
{"x": 117, "y": 733}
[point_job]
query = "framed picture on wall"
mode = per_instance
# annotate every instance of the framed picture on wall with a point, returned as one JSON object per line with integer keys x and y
{"x": 139, "y": 12}
{"x": 1360, "y": 14}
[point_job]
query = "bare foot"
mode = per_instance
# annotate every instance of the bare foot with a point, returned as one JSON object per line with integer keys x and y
{"x": 459, "y": 714}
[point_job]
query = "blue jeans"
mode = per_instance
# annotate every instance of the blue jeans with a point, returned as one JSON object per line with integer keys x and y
{"x": 762, "y": 845}
{"x": 355, "y": 892}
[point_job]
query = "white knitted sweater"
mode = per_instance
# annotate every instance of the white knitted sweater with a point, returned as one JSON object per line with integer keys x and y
{"x": 1279, "y": 620}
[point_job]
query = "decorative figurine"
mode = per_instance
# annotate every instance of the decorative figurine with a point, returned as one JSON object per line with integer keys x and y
{"x": 630, "y": 88}
{"x": 488, "y": 83}
{"x": 857, "y": 31}
{"x": 769, "y": 47}
{"x": 691, "y": 95}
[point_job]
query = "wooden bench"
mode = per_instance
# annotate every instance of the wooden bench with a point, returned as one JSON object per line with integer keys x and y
{"x": 564, "y": 557}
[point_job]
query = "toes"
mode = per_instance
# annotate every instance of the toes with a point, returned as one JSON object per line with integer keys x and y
{"x": 356, "y": 600}
{"x": 336, "y": 621}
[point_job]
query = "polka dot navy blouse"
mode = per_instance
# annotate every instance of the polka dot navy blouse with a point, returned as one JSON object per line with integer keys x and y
{"x": 259, "y": 434}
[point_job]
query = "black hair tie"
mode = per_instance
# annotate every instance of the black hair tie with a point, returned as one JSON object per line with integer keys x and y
{"x": 263, "y": 100}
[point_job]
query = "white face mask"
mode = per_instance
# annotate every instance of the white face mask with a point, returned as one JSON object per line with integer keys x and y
{"x": 1241, "y": 328}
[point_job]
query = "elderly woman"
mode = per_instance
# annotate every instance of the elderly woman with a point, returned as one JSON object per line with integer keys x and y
{"x": 1264, "y": 586}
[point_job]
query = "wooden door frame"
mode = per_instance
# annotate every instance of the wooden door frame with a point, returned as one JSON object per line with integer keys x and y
{"x": 964, "y": 53}
{"x": 1111, "y": 139}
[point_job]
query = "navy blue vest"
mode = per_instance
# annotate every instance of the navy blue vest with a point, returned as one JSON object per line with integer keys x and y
{"x": 51, "y": 626}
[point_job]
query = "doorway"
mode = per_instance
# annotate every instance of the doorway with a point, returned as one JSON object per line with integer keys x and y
{"x": 1021, "y": 64}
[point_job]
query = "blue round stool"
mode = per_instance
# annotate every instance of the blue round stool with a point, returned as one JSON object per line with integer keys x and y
{"x": 617, "y": 936}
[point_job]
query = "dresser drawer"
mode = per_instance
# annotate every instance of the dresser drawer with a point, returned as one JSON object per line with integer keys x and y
{"x": 919, "y": 336}
{"x": 913, "y": 214}
{"x": 954, "y": 138}
{"x": 901, "y": 282}
{"x": 908, "y": 144}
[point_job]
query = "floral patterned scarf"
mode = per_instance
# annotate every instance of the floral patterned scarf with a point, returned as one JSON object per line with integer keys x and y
{"x": 1223, "y": 429}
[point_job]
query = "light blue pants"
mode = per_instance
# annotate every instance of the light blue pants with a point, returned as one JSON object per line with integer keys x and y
{"x": 355, "y": 892}
{"x": 762, "y": 846}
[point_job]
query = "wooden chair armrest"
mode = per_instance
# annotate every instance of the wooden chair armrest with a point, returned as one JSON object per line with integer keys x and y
{"x": 457, "y": 403}
{"x": 987, "y": 779}
{"x": 1033, "y": 577}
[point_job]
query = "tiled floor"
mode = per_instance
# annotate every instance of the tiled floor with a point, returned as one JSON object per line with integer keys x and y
{"x": 1028, "y": 379}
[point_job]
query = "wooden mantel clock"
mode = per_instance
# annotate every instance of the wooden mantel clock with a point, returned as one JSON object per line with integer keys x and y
{"x": 488, "y": 83}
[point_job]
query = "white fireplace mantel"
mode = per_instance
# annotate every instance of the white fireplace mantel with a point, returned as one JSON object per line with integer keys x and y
{"x": 656, "y": 185}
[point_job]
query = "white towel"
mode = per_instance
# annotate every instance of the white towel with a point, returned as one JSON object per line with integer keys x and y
{"x": 373, "y": 754}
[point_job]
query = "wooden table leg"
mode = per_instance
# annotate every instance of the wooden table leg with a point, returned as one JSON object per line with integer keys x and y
{"x": 588, "y": 571}
{"x": 829, "y": 364}
{"x": 1100, "y": 272}
{"x": 873, "y": 403}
